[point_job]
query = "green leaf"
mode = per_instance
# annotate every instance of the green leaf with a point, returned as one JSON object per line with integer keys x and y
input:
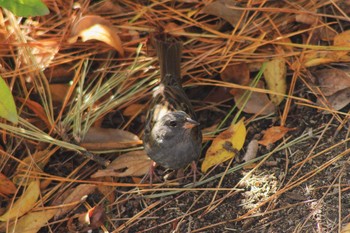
{"x": 25, "y": 8}
{"x": 7, "y": 104}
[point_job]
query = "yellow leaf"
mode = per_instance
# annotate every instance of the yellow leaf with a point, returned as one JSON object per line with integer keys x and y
{"x": 25, "y": 203}
{"x": 225, "y": 145}
{"x": 275, "y": 77}
{"x": 32, "y": 222}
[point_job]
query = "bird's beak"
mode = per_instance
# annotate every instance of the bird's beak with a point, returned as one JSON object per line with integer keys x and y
{"x": 189, "y": 124}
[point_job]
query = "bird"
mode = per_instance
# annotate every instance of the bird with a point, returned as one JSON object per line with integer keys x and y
{"x": 172, "y": 137}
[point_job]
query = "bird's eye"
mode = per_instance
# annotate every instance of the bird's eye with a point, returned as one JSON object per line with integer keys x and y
{"x": 172, "y": 123}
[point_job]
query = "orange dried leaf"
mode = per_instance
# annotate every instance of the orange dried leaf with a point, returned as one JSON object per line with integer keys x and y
{"x": 225, "y": 145}
{"x": 105, "y": 139}
{"x": 7, "y": 187}
{"x": 37, "y": 109}
{"x": 24, "y": 203}
{"x": 132, "y": 110}
{"x": 274, "y": 134}
{"x": 93, "y": 27}
{"x": 59, "y": 92}
{"x": 134, "y": 163}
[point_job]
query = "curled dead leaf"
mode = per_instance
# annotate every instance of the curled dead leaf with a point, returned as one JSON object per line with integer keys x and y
{"x": 134, "y": 163}
{"x": 93, "y": 27}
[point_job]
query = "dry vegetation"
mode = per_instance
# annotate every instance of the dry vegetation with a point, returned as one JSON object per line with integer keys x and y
{"x": 82, "y": 77}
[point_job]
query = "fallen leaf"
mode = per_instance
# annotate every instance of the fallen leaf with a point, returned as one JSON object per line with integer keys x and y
{"x": 275, "y": 75}
{"x": 342, "y": 40}
{"x": 332, "y": 80}
{"x": 174, "y": 29}
{"x": 24, "y": 203}
{"x": 44, "y": 51}
{"x": 306, "y": 18}
{"x": 74, "y": 198}
{"x": 59, "y": 91}
{"x": 346, "y": 228}
{"x": 7, "y": 104}
{"x": 258, "y": 103}
{"x": 225, "y": 146}
{"x": 251, "y": 152}
{"x": 132, "y": 110}
{"x": 37, "y": 109}
{"x": 336, "y": 101}
{"x": 107, "y": 139}
{"x": 93, "y": 27}
{"x": 274, "y": 134}
{"x": 221, "y": 8}
{"x": 7, "y": 187}
{"x": 134, "y": 163}
{"x": 32, "y": 222}
{"x": 34, "y": 162}
{"x": 106, "y": 190}
{"x": 238, "y": 74}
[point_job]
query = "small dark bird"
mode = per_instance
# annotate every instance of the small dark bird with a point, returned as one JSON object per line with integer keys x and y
{"x": 172, "y": 137}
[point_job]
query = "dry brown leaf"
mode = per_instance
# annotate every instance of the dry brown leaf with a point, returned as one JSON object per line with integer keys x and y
{"x": 24, "y": 203}
{"x": 132, "y": 110}
{"x": 332, "y": 80}
{"x": 306, "y": 18}
{"x": 336, "y": 101}
{"x": 32, "y": 222}
{"x": 93, "y": 27}
{"x": 275, "y": 75}
{"x": 59, "y": 92}
{"x": 134, "y": 163}
{"x": 221, "y": 8}
{"x": 37, "y": 109}
{"x": 107, "y": 139}
{"x": 258, "y": 103}
{"x": 34, "y": 162}
{"x": 174, "y": 29}
{"x": 274, "y": 134}
{"x": 238, "y": 74}
{"x": 75, "y": 198}
{"x": 7, "y": 187}
{"x": 107, "y": 190}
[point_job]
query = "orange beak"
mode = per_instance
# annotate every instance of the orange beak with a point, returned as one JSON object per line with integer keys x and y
{"x": 189, "y": 124}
